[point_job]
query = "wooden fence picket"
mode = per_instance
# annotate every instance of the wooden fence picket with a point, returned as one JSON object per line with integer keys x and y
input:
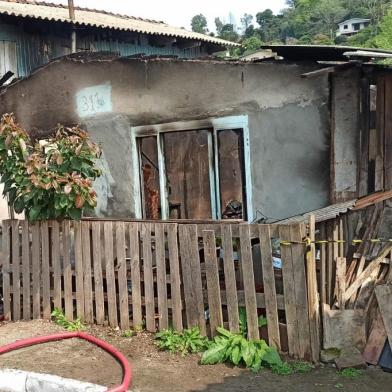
{"x": 15, "y": 270}
{"x": 134, "y": 252}
{"x": 161, "y": 276}
{"x": 26, "y": 270}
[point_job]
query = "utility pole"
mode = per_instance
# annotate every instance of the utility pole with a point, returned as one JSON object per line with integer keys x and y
{"x": 71, "y": 10}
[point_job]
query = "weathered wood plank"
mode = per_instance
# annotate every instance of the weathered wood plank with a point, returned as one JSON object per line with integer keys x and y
{"x": 57, "y": 302}
{"x": 323, "y": 265}
{"x": 15, "y": 270}
{"x": 301, "y": 292}
{"x": 97, "y": 267}
{"x": 230, "y": 279}
{"x": 67, "y": 270}
{"x": 36, "y": 269}
{"x": 175, "y": 278}
{"x": 289, "y": 292}
{"x": 249, "y": 282}
{"x": 6, "y": 270}
{"x": 366, "y": 273}
{"x": 148, "y": 276}
{"x": 212, "y": 276}
{"x": 134, "y": 254}
{"x": 384, "y": 295}
{"x": 269, "y": 287}
{"x": 191, "y": 275}
{"x": 26, "y": 271}
{"x": 376, "y": 340}
{"x": 122, "y": 276}
{"x": 161, "y": 276}
{"x": 79, "y": 269}
{"x": 110, "y": 277}
{"x": 87, "y": 278}
{"x": 388, "y": 135}
{"x": 46, "y": 300}
{"x": 341, "y": 281}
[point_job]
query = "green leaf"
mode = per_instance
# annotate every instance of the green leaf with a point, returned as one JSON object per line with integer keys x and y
{"x": 262, "y": 321}
{"x": 271, "y": 357}
{"x": 224, "y": 332}
{"x": 248, "y": 350}
{"x": 19, "y": 205}
{"x": 214, "y": 355}
{"x": 12, "y": 196}
{"x": 236, "y": 355}
{"x": 34, "y": 213}
{"x": 75, "y": 213}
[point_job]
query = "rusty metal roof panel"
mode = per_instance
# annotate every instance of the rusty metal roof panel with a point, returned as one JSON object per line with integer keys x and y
{"x": 322, "y": 214}
{"x": 100, "y": 19}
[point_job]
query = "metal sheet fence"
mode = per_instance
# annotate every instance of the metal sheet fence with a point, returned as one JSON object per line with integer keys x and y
{"x": 162, "y": 274}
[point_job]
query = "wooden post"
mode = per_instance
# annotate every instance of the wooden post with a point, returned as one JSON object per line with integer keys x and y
{"x": 313, "y": 299}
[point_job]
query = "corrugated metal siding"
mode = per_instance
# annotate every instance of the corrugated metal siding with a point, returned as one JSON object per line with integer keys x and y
{"x": 35, "y": 50}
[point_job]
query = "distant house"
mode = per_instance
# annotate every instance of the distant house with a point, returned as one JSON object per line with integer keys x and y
{"x": 33, "y": 33}
{"x": 352, "y": 26}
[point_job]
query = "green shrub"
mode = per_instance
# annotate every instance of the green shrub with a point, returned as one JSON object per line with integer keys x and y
{"x": 236, "y": 349}
{"x": 49, "y": 179}
{"x": 188, "y": 341}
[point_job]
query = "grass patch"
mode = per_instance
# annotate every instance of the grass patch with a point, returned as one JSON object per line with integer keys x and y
{"x": 351, "y": 373}
{"x": 288, "y": 368}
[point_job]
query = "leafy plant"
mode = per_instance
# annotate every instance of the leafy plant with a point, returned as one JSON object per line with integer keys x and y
{"x": 60, "y": 319}
{"x": 188, "y": 341}
{"x": 235, "y": 348}
{"x": 49, "y": 179}
{"x": 282, "y": 369}
{"x": 351, "y": 373}
{"x": 128, "y": 333}
{"x": 287, "y": 368}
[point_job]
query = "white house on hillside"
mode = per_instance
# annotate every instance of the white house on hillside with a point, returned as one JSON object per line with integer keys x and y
{"x": 352, "y": 26}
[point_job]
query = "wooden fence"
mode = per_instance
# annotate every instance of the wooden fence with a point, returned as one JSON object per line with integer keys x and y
{"x": 165, "y": 274}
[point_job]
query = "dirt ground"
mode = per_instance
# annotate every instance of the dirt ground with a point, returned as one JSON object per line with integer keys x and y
{"x": 154, "y": 370}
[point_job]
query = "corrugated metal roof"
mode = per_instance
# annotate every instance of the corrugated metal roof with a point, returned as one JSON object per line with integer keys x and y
{"x": 317, "y": 52}
{"x": 100, "y": 19}
{"x": 322, "y": 214}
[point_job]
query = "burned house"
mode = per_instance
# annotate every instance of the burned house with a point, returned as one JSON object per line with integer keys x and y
{"x": 32, "y": 33}
{"x": 207, "y": 139}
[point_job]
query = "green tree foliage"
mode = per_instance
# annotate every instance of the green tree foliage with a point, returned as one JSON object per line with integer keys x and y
{"x": 313, "y": 22}
{"x": 49, "y": 179}
{"x": 199, "y": 24}
{"x": 384, "y": 38}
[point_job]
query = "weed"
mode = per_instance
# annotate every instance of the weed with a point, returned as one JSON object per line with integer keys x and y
{"x": 351, "y": 373}
{"x": 339, "y": 385}
{"x": 287, "y": 368}
{"x": 282, "y": 369}
{"x": 302, "y": 367}
{"x": 188, "y": 341}
{"x": 60, "y": 319}
{"x": 128, "y": 333}
{"x": 139, "y": 328}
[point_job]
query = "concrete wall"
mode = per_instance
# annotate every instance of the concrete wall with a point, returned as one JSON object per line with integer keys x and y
{"x": 288, "y": 119}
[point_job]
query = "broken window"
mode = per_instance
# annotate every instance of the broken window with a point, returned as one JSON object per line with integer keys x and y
{"x": 149, "y": 177}
{"x": 187, "y": 173}
{"x": 231, "y": 167}
{"x": 197, "y": 173}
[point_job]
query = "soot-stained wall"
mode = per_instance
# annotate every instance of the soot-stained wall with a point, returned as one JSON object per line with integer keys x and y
{"x": 288, "y": 119}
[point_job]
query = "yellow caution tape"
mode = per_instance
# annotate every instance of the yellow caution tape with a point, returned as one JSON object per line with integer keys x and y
{"x": 308, "y": 241}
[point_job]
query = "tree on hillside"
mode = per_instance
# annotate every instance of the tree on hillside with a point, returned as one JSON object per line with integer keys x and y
{"x": 218, "y": 26}
{"x": 246, "y": 21}
{"x": 199, "y": 24}
{"x": 326, "y": 15}
{"x": 384, "y": 38}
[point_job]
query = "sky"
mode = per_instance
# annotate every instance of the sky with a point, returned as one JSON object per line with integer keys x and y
{"x": 180, "y": 12}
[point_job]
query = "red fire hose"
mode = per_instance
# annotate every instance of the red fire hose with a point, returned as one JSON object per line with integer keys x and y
{"x": 127, "y": 375}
